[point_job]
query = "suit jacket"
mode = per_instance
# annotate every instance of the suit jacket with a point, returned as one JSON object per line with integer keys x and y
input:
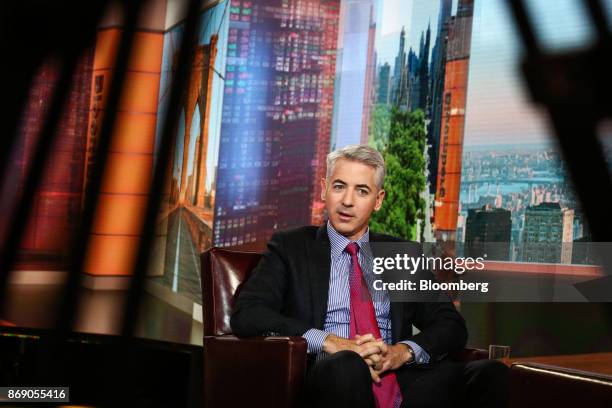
{"x": 287, "y": 294}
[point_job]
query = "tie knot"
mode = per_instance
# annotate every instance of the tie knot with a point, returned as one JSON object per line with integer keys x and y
{"x": 352, "y": 248}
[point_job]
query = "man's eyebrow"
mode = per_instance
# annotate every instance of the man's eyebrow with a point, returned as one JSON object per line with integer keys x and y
{"x": 358, "y": 185}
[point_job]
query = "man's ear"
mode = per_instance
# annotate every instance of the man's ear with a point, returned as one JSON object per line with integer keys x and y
{"x": 323, "y": 188}
{"x": 380, "y": 197}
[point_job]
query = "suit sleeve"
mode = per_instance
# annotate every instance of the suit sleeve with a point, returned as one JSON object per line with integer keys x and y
{"x": 258, "y": 308}
{"x": 442, "y": 328}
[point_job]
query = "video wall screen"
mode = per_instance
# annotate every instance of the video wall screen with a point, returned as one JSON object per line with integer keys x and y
{"x": 278, "y": 84}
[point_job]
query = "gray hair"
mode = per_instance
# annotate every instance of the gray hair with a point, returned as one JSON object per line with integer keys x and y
{"x": 362, "y": 154}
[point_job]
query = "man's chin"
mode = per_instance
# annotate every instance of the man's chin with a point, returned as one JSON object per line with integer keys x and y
{"x": 344, "y": 227}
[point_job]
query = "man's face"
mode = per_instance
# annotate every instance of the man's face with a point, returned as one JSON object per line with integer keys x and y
{"x": 350, "y": 196}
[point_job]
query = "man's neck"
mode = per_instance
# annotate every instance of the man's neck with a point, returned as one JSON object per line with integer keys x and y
{"x": 353, "y": 237}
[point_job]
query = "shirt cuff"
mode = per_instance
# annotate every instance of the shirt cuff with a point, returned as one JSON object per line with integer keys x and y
{"x": 314, "y": 340}
{"x": 420, "y": 355}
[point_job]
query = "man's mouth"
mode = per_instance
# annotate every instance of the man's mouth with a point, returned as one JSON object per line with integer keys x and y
{"x": 345, "y": 215}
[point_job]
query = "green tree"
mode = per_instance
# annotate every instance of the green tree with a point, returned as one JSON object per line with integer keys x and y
{"x": 405, "y": 181}
{"x": 380, "y": 124}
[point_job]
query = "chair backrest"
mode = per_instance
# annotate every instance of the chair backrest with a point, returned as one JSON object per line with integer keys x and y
{"x": 223, "y": 271}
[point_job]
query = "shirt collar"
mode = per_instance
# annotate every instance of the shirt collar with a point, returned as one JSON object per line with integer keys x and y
{"x": 338, "y": 241}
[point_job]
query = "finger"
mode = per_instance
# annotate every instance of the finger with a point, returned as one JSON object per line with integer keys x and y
{"x": 380, "y": 346}
{"x": 386, "y": 365}
{"x": 375, "y": 358}
{"x": 368, "y": 350}
{"x": 365, "y": 351}
{"x": 376, "y": 341}
{"x": 362, "y": 339}
{"x": 374, "y": 376}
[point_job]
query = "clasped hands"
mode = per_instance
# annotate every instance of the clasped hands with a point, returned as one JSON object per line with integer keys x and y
{"x": 379, "y": 356}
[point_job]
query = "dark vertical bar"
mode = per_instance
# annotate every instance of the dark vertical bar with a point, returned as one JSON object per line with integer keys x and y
{"x": 525, "y": 27}
{"x": 31, "y": 31}
{"x": 574, "y": 125}
{"x": 179, "y": 85}
{"x": 17, "y": 27}
{"x": 69, "y": 302}
{"x": 578, "y": 142}
{"x": 40, "y": 158}
{"x": 12, "y": 115}
{"x": 598, "y": 17}
{"x": 575, "y": 129}
{"x": 47, "y": 29}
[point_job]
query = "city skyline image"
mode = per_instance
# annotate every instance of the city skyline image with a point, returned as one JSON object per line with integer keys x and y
{"x": 511, "y": 160}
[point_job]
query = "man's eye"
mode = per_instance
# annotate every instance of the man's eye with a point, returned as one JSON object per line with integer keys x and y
{"x": 338, "y": 187}
{"x": 363, "y": 191}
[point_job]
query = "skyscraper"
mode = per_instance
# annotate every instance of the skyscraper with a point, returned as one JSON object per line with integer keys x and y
{"x": 410, "y": 83}
{"x": 369, "y": 94}
{"x": 384, "y": 83}
{"x": 438, "y": 63}
{"x": 453, "y": 121}
{"x": 544, "y": 232}
{"x": 423, "y": 100}
{"x": 567, "y": 235}
{"x": 276, "y": 121}
{"x": 399, "y": 70}
{"x": 488, "y": 232}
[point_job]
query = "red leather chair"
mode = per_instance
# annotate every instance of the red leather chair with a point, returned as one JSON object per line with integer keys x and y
{"x": 269, "y": 370}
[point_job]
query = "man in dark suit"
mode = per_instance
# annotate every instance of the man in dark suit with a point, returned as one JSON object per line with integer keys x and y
{"x": 362, "y": 353}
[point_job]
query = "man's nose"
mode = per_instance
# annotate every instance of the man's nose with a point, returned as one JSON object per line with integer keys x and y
{"x": 347, "y": 198}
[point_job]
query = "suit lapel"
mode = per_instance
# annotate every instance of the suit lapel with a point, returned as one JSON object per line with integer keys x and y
{"x": 319, "y": 266}
{"x": 397, "y": 314}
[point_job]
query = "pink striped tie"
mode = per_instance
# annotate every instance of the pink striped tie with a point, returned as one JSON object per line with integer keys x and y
{"x": 363, "y": 321}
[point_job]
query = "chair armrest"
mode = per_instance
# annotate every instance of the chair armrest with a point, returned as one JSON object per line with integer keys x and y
{"x": 542, "y": 385}
{"x": 253, "y": 371}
